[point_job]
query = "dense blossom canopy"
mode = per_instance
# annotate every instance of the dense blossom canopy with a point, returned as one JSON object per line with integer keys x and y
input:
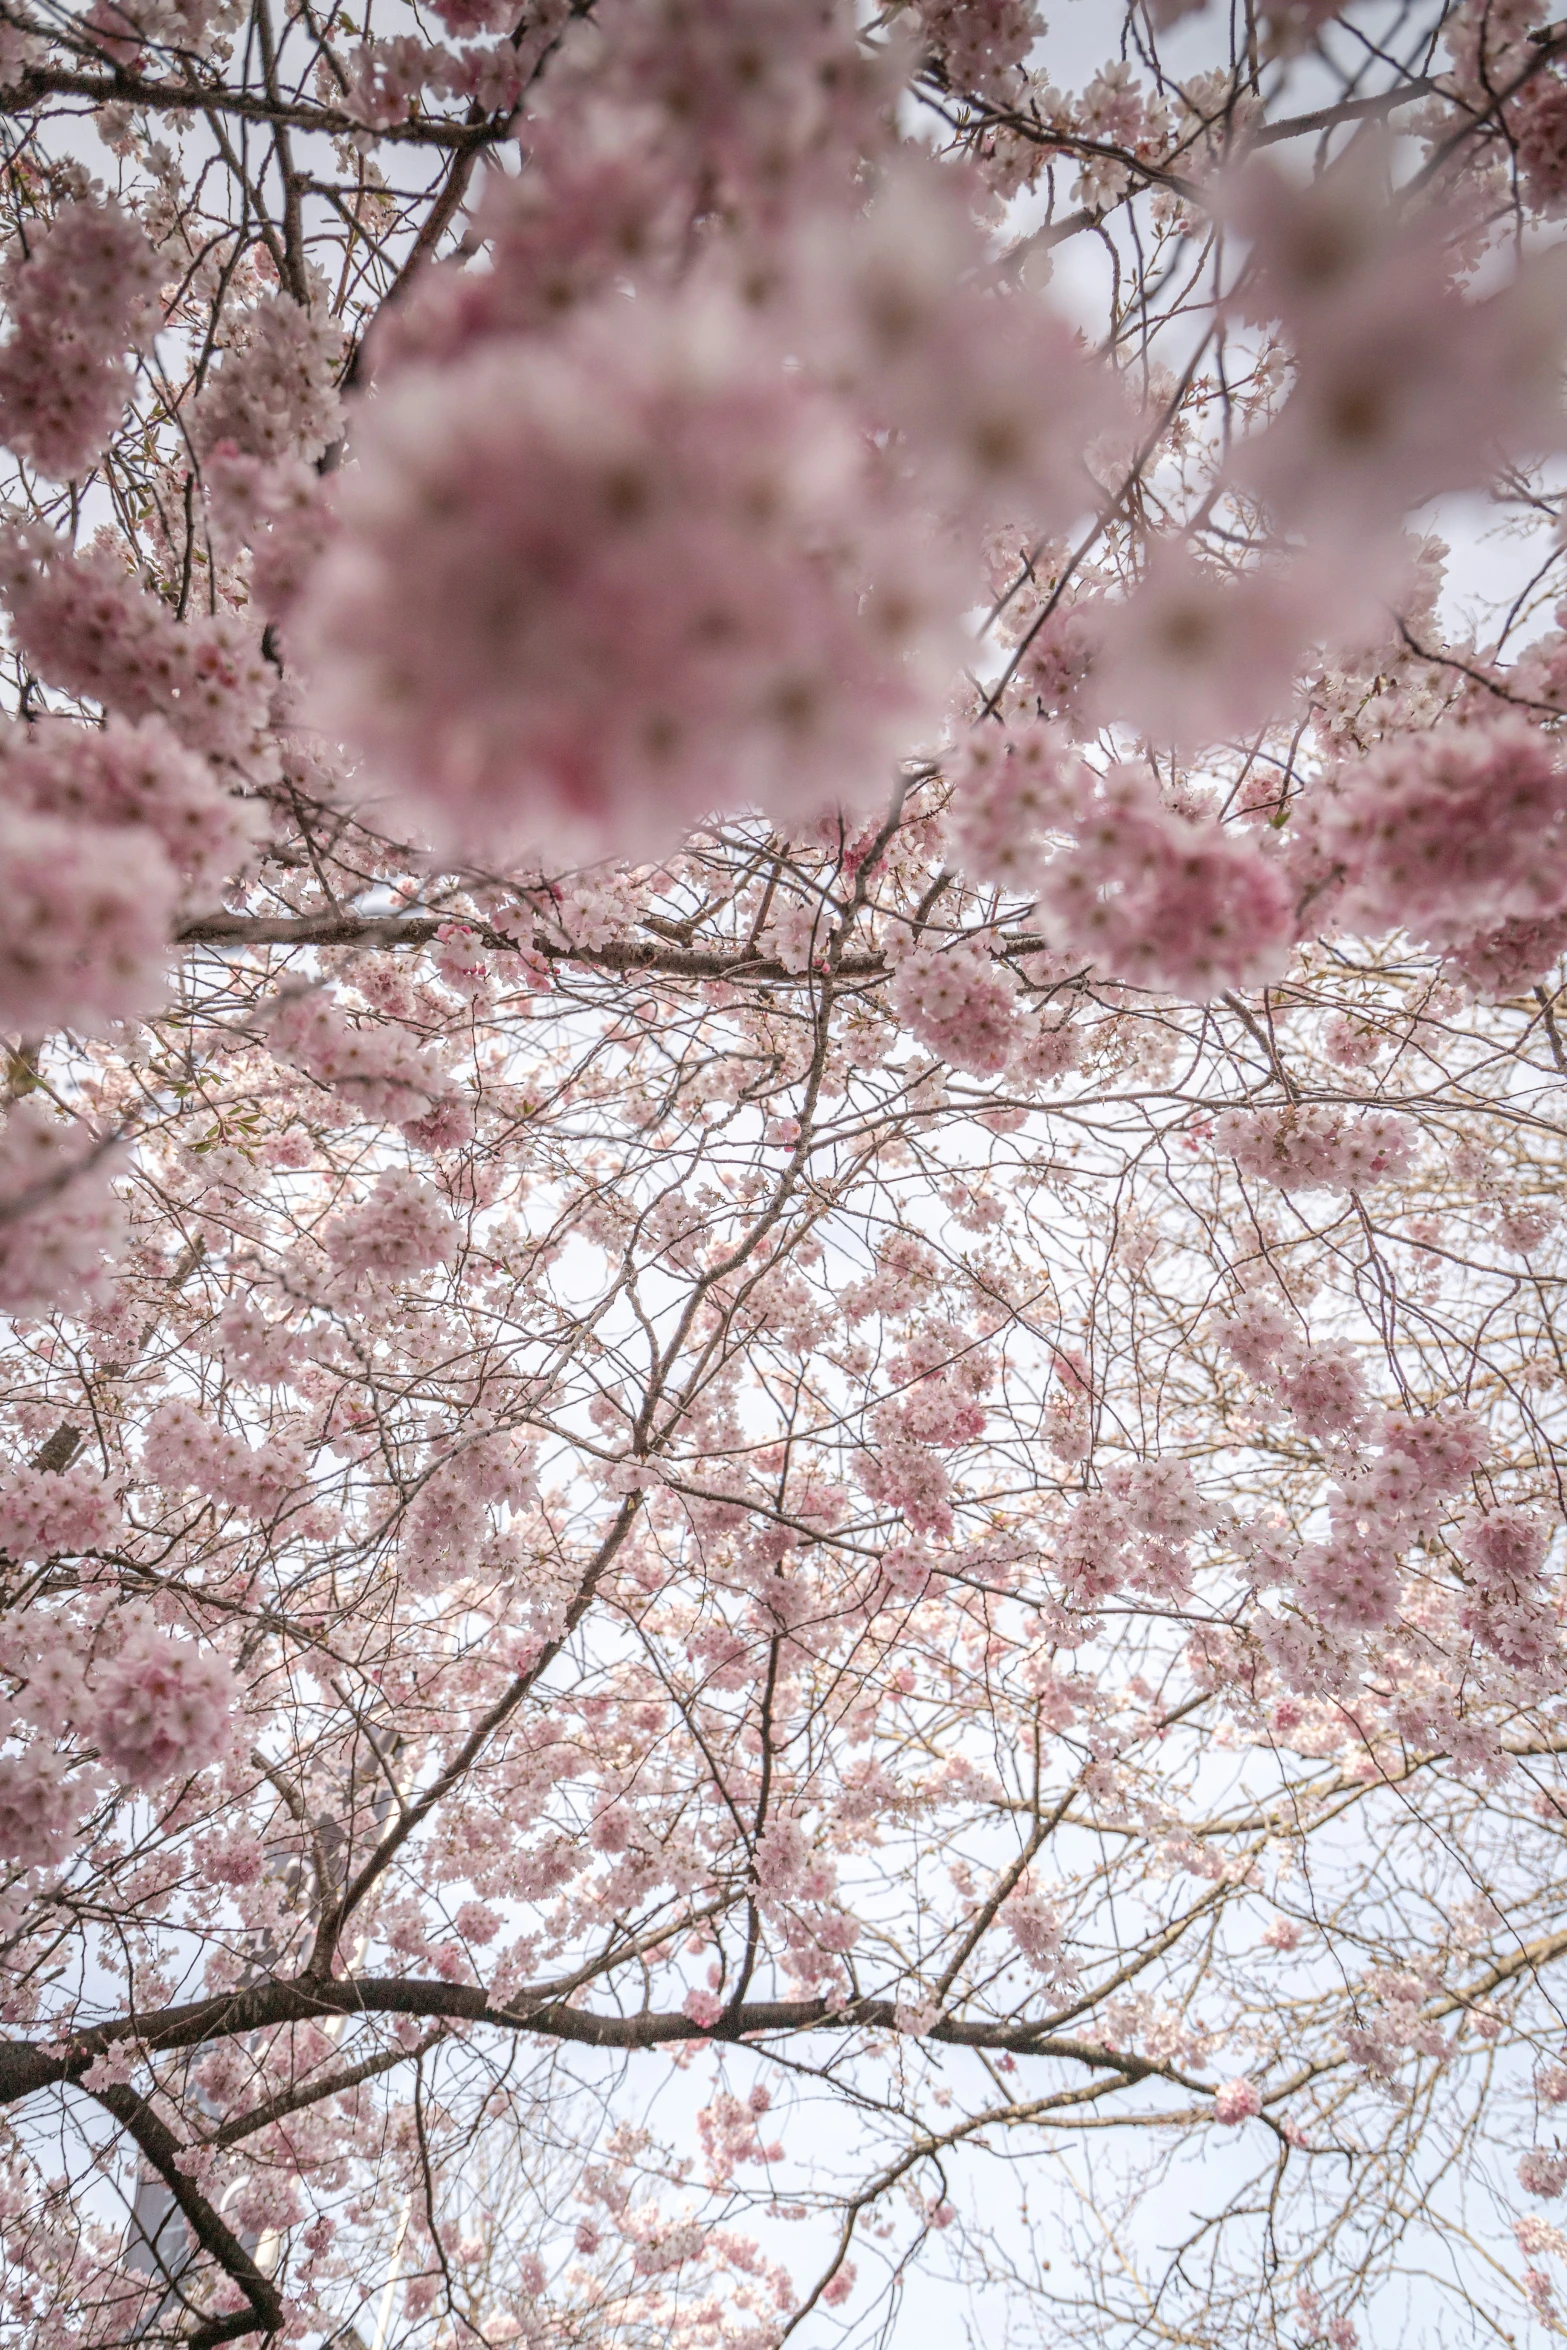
{"x": 784, "y": 819}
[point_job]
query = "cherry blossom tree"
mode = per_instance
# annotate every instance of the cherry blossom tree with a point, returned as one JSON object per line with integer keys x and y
{"x": 785, "y": 833}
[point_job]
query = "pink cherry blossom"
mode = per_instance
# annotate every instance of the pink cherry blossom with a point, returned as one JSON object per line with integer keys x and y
{"x": 993, "y": 405}
{"x": 1505, "y": 1606}
{"x": 782, "y": 1121}
{"x": 272, "y": 393}
{"x": 76, "y": 300}
{"x": 162, "y": 1707}
{"x": 1167, "y": 900}
{"x": 1036, "y": 1929}
{"x": 91, "y": 628}
{"x": 1237, "y": 2101}
{"x": 403, "y": 1227}
{"x": 1452, "y": 834}
{"x": 1316, "y": 1148}
{"x": 981, "y": 43}
{"x": 1542, "y": 2173}
{"x": 183, "y": 1447}
{"x": 1502, "y": 961}
{"x": 375, "y": 1068}
{"x": 639, "y": 597}
{"x": 958, "y": 1002}
{"x": 595, "y": 206}
{"x": 43, "y": 1512}
{"x": 40, "y": 1807}
{"x": 278, "y": 511}
{"x": 91, "y": 908}
{"x": 139, "y": 775}
{"x": 59, "y": 1216}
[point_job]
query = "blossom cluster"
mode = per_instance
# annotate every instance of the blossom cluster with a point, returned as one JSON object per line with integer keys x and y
{"x": 1135, "y": 1531}
{"x": 1452, "y": 836}
{"x": 672, "y": 606}
{"x": 61, "y": 1221}
{"x": 1322, "y": 1386}
{"x": 44, "y": 1512}
{"x": 75, "y": 302}
{"x": 376, "y": 1069}
{"x": 402, "y": 1227}
{"x": 1154, "y": 895}
{"x": 1317, "y": 1148}
{"x": 184, "y": 1447}
{"x": 89, "y": 626}
{"x": 1396, "y": 1486}
{"x": 162, "y": 1707}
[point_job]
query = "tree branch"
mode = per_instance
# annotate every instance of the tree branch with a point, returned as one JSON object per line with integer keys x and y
{"x": 26, "y": 2067}
{"x": 162, "y": 2150}
{"x": 123, "y": 88}
{"x": 414, "y": 930}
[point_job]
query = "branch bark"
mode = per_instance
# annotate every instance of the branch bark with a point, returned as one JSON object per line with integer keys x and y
{"x": 414, "y": 930}
{"x": 123, "y": 88}
{"x": 27, "y": 2067}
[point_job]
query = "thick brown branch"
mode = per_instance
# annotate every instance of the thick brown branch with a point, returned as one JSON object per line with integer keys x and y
{"x": 122, "y": 88}
{"x": 26, "y": 2067}
{"x": 412, "y": 930}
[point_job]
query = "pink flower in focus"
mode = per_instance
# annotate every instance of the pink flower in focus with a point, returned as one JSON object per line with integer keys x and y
{"x": 1316, "y": 1149}
{"x": 1172, "y": 901}
{"x": 1351, "y": 1584}
{"x": 981, "y": 44}
{"x": 1162, "y": 900}
{"x": 272, "y": 393}
{"x": 1009, "y": 789}
{"x": 92, "y": 628}
{"x": 162, "y": 1707}
{"x": 957, "y": 1000}
{"x": 142, "y": 775}
{"x": 48, "y": 1512}
{"x": 1237, "y": 2101}
{"x": 1542, "y": 2173}
{"x": 1505, "y": 1605}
